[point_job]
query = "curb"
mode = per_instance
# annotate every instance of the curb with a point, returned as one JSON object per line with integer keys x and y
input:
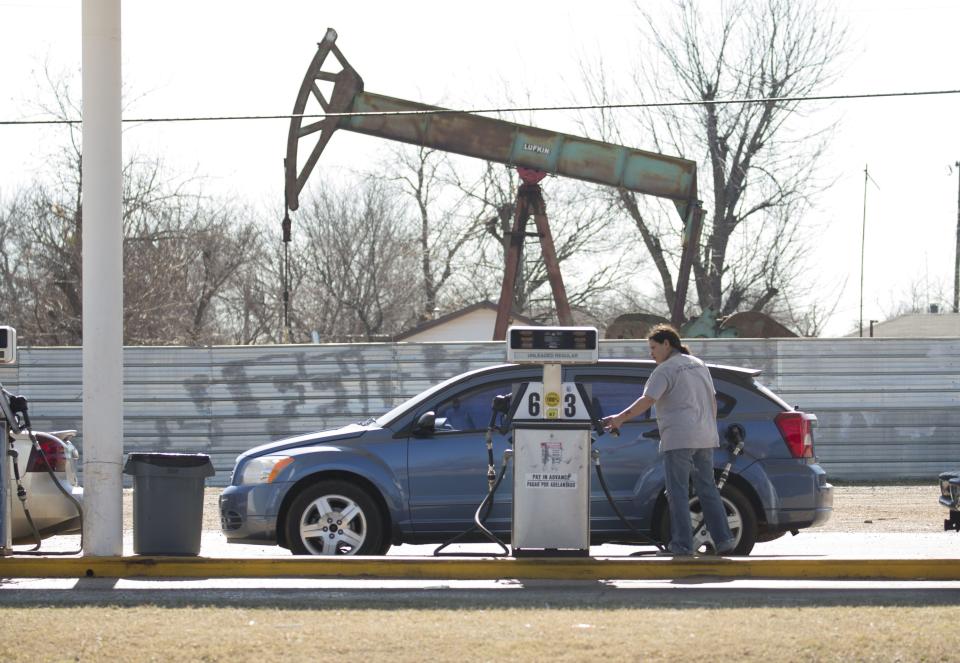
{"x": 420, "y": 568}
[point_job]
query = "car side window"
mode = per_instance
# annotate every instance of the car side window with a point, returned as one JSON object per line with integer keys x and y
{"x": 469, "y": 410}
{"x": 612, "y": 396}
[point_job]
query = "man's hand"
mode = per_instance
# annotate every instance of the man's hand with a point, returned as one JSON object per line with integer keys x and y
{"x": 612, "y": 424}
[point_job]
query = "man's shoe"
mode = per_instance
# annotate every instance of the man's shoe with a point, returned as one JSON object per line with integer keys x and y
{"x": 723, "y": 551}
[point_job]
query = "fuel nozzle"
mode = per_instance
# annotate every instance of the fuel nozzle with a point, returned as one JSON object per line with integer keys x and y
{"x": 500, "y": 405}
{"x": 18, "y": 405}
{"x": 735, "y": 435}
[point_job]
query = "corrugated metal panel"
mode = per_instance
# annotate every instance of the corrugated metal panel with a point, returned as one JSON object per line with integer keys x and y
{"x": 887, "y": 408}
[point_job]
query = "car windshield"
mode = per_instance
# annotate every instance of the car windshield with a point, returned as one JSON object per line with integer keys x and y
{"x": 385, "y": 419}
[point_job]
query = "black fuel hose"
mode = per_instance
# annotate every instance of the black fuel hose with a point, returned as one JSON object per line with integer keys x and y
{"x": 643, "y": 538}
{"x": 22, "y": 496}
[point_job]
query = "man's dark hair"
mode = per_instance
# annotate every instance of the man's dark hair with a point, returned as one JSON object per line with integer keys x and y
{"x": 662, "y": 333}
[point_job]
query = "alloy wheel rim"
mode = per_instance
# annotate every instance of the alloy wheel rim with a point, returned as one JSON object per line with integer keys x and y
{"x": 702, "y": 537}
{"x": 333, "y": 525}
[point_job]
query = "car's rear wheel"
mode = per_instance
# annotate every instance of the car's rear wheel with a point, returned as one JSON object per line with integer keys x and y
{"x": 335, "y": 518}
{"x": 740, "y": 518}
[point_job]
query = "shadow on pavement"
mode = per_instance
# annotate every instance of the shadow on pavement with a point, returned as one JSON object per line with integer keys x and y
{"x": 314, "y": 594}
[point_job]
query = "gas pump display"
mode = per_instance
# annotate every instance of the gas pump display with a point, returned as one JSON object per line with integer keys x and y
{"x": 556, "y": 345}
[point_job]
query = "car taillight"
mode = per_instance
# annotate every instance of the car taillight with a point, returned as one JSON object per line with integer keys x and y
{"x": 795, "y": 428}
{"x": 53, "y": 450}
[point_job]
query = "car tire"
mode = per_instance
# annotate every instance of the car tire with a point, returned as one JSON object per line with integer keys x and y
{"x": 740, "y": 516}
{"x": 354, "y": 524}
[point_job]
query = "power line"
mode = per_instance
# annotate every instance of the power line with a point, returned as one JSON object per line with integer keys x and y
{"x": 441, "y": 111}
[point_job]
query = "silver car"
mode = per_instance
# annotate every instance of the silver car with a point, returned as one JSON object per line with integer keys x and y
{"x": 52, "y": 512}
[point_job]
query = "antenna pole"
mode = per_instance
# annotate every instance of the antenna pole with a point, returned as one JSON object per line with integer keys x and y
{"x": 956, "y": 260}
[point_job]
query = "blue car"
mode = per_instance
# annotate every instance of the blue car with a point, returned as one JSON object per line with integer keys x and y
{"x": 418, "y": 473}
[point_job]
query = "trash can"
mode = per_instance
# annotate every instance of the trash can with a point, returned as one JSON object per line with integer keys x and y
{"x": 167, "y": 501}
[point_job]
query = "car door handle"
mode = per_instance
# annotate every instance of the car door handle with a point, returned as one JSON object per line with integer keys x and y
{"x": 652, "y": 434}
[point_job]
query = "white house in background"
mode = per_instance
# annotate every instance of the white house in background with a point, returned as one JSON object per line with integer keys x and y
{"x": 473, "y": 323}
{"x": 916, "y": 325}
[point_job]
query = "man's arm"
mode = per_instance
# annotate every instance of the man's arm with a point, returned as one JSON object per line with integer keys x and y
{"x": 639, "y": 406}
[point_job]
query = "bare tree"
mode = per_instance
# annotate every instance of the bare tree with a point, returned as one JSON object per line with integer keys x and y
{"x": 355, "y": 265}
{"x": 920, "y": 295}
{"x": 181, "y": 249}
{"x": 181, "y": 254}
{"x": 759, "y": 168}
{"x": 252, "y": 310}
{"x": 443, "y": 232}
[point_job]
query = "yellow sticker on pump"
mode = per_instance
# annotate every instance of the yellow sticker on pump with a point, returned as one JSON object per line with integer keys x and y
{"x": 552, "y": 399}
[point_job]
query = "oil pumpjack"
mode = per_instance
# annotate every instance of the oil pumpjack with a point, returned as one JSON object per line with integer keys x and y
{"x": 534, "y": 152}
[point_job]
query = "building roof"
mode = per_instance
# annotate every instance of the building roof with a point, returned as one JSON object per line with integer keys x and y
{"x": 450, "y": 317}
{"x": 916, "y": 325}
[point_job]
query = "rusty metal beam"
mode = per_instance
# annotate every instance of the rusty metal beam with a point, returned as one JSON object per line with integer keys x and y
{"x": 475, "y": 136}
{"x": 525, "y": 147}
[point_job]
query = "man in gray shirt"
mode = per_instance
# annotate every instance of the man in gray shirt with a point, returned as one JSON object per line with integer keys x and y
{"x": 682, "y": 389}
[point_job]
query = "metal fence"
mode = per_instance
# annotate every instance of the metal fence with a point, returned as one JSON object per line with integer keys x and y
{"x": 888, "y": 408}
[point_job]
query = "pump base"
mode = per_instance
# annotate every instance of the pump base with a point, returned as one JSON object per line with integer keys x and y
{"x": 550, "y": 552}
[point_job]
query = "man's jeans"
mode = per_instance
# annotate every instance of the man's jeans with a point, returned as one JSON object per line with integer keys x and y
{"x": 679, "y": 465}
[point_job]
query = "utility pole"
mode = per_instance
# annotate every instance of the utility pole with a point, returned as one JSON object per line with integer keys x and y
{"x": 863, "y": 237}
{"x": 103, "y": 275}
{"x": 956, "y": 260}
{"x": 863, "y": 242}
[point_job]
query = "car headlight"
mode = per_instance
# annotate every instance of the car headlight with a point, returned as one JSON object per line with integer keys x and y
{"x": 264, "y": 469}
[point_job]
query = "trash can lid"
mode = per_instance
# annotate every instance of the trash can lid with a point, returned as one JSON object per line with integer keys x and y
{"x": 149, "y": 463}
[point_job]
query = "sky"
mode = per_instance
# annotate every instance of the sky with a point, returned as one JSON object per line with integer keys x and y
{"x": 218, "y": 57}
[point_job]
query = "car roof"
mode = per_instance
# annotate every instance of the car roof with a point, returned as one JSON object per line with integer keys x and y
{"x": 649, "y": 363}
{"x": 728, "y": 372}
{"x": 732, "y": 371}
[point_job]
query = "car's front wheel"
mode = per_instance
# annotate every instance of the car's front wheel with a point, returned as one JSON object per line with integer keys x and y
{"x": 334, "y": 517}
{"x": 740, "y": 518}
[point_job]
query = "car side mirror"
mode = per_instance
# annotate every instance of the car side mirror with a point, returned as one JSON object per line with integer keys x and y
{"x": 426, "y": 423}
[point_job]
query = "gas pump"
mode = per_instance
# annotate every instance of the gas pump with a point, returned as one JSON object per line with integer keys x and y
{"x": 8, "y": 355}
{"x": 551, "y": 428}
